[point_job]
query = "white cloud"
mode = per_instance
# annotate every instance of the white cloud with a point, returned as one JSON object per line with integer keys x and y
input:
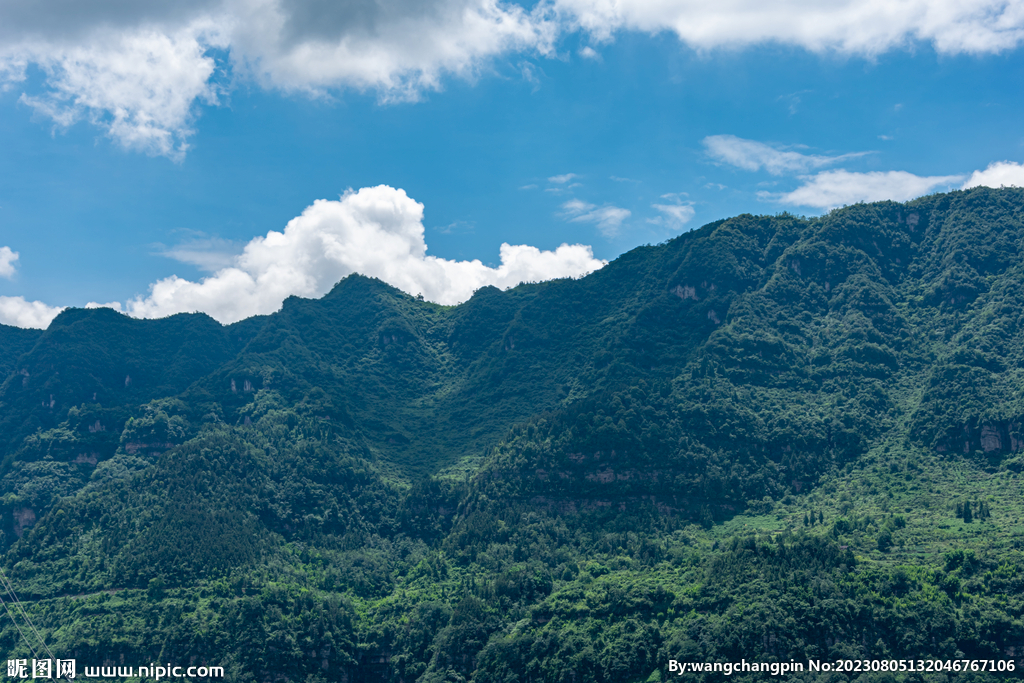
{"x": 998, "y": 174}
{"x": 205, "y": 253}
{"x": 607, "y": 218}
{"x": 562, "y": 179}
{"x": 865, "y": 27}
{"x": 751, "y": 155}
{"x": 831, "y": 189}
{"x": 575, "y": 207}
{"x": 398, "y": 47}
{"x": 675, "y": 215}
{"x": 590, "y": 53}
{"x": 7, "y": 259}
{"x": 529, "y": 71}
{"x": 141, "y": 87}
{"x": 139, "y": 69}
{"x": 14, "y": 310}
{"x": 376, "y": 231}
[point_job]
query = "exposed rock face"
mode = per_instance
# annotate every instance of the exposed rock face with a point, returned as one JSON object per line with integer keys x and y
{"x": 23, "y": 518}
{"x": 998, "y": 438}
{"x": 991, "y": 440}
{"x": 685, "y": 292}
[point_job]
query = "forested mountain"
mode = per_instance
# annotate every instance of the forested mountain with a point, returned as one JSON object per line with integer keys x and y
{"x": 772, "y": 438}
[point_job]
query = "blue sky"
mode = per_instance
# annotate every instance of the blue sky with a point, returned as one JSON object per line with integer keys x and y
{"x": 143, "y": 153}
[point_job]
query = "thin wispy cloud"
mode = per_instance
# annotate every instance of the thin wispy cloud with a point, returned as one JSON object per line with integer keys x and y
{"x": 675, "y": 214}
{"x": 794, "y": 99}
{"x": 530, "y": 72}
{"x": 751, "y": 155}
{"x": 205, "y": 253}
{"x": 608, "y": 218}
{"x": 456, "y": 228}
{"x": 562, "y": 179}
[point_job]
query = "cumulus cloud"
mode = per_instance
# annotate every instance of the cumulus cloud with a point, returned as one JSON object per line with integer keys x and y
{"x": 141, "y": 87}
{"x": 998, "y": 174}
{"x": 7, "y": 259}
{"x": 376, "y": 231}
{"x": 607, "y": 218}
{"x": 139, "y": 69}
{"x": 751, "y": 155}
{"x": 398, "y": 47}
{"x": 15, "y": 310}
{"x": 831, "y": 189}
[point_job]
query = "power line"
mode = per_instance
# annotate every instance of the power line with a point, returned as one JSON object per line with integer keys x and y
{"x": 10, "y": 591}
{"x": 15, "y": 622}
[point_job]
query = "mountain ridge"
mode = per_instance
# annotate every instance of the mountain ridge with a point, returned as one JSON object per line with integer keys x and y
{"x": 431, "y": 477}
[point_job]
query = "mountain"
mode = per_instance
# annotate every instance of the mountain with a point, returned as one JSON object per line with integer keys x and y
{"x": 772, "y": 438}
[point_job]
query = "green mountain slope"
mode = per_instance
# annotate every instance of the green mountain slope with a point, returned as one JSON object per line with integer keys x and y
{"x": 772, "y": 438}
{"x": 15, "y": 341}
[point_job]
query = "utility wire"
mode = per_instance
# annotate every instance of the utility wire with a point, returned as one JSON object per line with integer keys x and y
{"x": 27, "y": 641}
{"x": 10, "y": 591}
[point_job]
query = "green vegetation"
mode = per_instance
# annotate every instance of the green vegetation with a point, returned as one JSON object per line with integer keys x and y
{"x": 770, "y": 439}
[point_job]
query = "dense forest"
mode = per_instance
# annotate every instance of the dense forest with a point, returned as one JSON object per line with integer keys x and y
{"x": 771, "y": 439}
